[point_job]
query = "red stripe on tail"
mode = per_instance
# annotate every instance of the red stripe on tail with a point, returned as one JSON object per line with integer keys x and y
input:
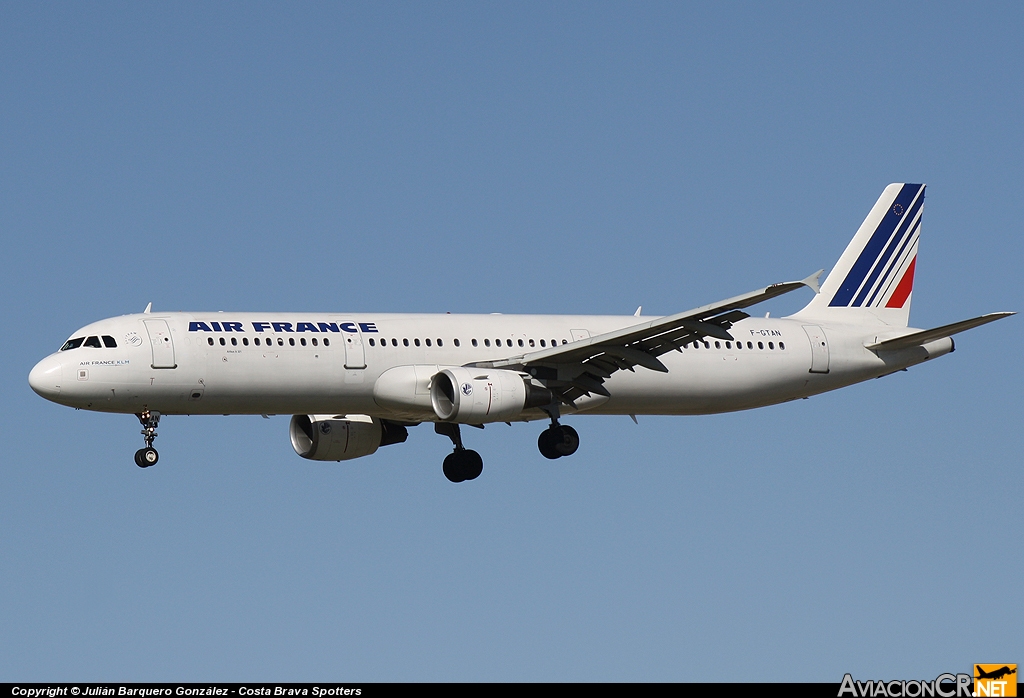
{"x": 903, "y": 288}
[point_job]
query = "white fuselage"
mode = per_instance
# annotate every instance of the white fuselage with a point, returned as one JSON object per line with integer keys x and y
{"x": 304, "y": 363}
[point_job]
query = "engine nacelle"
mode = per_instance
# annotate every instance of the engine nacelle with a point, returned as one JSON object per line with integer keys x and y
{"x": 341, "y": 437}
{"x": 480, "y": 395}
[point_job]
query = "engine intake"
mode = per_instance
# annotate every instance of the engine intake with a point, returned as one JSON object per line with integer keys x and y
{"x": 342, "y": 437}
{"x": 477, "y": 396}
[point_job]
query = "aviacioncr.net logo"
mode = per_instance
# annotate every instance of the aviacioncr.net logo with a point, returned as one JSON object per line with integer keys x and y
{"x": 943, "y": 686}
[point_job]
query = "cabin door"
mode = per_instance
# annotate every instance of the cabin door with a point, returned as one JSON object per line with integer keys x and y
{"x": 819, "y": 348}
{"x": 160, "y": 341}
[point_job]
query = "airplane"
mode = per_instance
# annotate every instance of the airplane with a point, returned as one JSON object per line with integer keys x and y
{"x": 356, "y": 382}
{"x": 996, "y": 674}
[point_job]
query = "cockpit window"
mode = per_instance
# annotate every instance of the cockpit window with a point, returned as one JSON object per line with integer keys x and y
{"x": 73, "y": 343}
{"x": 109, "y": 342}
{"x": 92, "y": 342}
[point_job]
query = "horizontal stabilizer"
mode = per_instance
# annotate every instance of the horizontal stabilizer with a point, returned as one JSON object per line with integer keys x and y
{"x": 925, "y": 336}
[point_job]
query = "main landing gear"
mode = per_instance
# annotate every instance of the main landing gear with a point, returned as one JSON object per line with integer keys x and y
{"x": 558, "y": 440}
{"x": 461, "y": 464}
{"x": 148, "y": 456}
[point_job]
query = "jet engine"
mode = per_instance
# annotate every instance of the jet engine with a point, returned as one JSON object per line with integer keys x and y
{"x": 476, "y": 396}
{"x": 342, "y": 437}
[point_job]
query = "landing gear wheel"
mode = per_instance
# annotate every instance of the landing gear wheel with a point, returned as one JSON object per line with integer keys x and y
{"x": 146, "y": 457}
{"x": 451, "y": 468}
{"x": 557, "y": 441}
{"x": 472, "y": 465}
{"x": 462, "y": 465}
{"x": 546, "y": 443}
{"x": 568, "y": 441}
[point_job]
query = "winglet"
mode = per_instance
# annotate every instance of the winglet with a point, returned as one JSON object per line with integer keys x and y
{"x": 814, "y": 281}
{"x": 149, "y": 309}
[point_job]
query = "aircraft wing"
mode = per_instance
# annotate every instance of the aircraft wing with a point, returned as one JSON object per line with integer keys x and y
{"x": 581, "y": 367}
{"x": 925, "y": 336}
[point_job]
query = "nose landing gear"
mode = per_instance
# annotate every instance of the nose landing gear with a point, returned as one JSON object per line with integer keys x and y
{"x": 145, "y": 457}
{"x": 461, "y": 464}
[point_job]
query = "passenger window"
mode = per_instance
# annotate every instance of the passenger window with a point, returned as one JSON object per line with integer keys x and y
{"x": 718, "y": 345}
{"x": 394, "y": 342}
{"x": 405, "y": 342}
{"x": 109, "y": 342}
{"x": 210, "y": 340}
{"x": 280, "y": 341}
{"x": 245, "y": 341}
{"x": 782, "y": 346}
{"x": 474, "y": 342}
{"x": 521, "y": 343}
{"x": 315, "y": 341}
{"x": 531, "y": 343}
{"x": 456, "y": 340}
{"x": 750, "y": 345}
{"x": 771, "y": 345}
{"x": 543, "y": 343}
{"x": 327, "y": 342}
{"x": 222, "y": 342}
{"x": 73, "y": 343}
{"x": 760, "y": 345}
{"x": 234, "y": 341}
{"x": 487, "y": 342}
{"x": 728, "y": 345}
{"x": 371, "y": 341}
{"x": 256, "y": 341}
{"x": 291, "y": 341}
{"x": 93, "y": 342}
{"x": 302, "y": 341}
{"x": 427, "y": 340}
{"x": 706, "y": 345}
{"x": 440, "y": 343}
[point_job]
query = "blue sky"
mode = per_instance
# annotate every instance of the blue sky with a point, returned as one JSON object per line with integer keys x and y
{"x": 534, "y": 158}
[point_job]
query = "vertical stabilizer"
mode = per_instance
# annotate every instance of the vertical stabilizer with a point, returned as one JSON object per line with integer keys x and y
{"x": 873, "y": 281}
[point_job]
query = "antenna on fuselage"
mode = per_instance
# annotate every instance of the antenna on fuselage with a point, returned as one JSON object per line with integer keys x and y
{"x": 149, "y": 309}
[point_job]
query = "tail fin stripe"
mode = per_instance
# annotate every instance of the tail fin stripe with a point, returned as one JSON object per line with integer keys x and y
{"x": 906, "y": 222}
{"x": 902, "y": 292}
{"x": 875, "y": 246}
{"x": 894, "y": 242}
{"x": 895, "y": 264}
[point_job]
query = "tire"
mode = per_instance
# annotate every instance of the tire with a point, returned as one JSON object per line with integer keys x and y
{"x": 567, "y": 440}
{"x": 546, "y": 443}
{"x": 146, "y": 457}
{"x": 451, "y": 468}
{"x": 472, "y": 465}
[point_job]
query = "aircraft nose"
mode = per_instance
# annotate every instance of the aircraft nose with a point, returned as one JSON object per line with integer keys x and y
{"x": 45, "y": 377}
